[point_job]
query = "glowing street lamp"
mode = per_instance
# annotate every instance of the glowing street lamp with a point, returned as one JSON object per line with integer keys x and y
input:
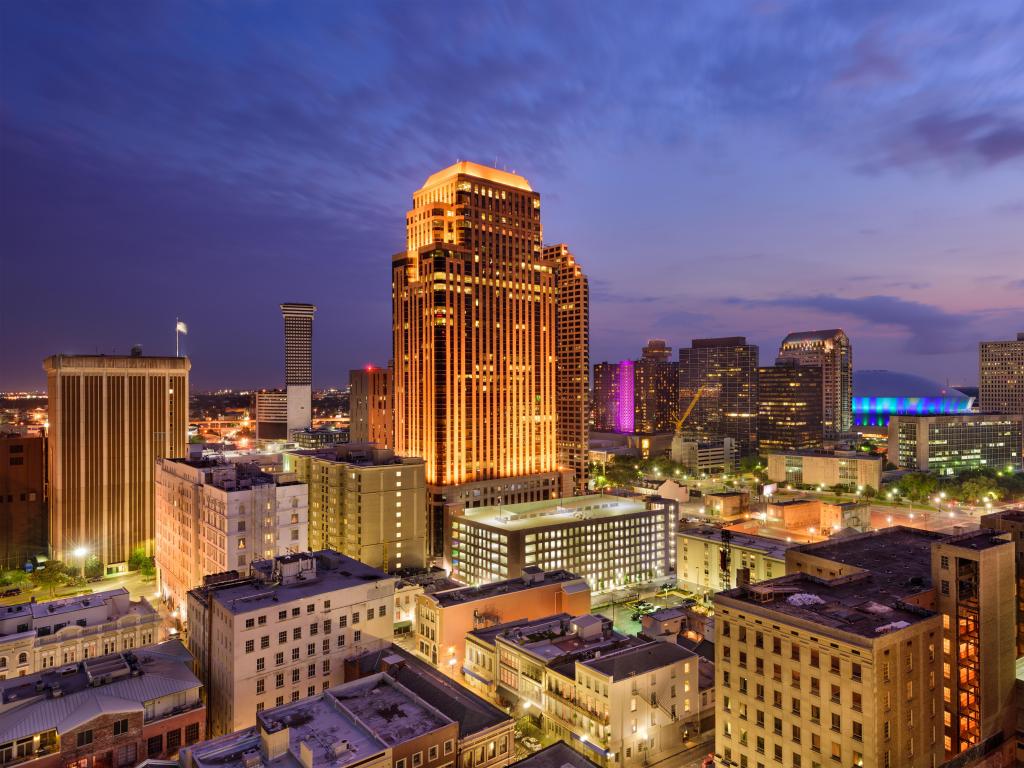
{"x": 81, "y": 553}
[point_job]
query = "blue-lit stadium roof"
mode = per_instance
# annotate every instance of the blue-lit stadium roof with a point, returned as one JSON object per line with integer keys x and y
{"x": 879, "y": 394}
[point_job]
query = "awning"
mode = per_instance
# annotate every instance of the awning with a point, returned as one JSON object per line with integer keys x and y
{"x": 483, "y": 680}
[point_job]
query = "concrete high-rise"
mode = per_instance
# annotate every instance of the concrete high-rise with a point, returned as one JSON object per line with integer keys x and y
{"x": 572, "y": 361}
{"x": 298, "y": 364}
{"x": 724, "y": 370}
{"x": 111, "y": 418}
{"x": 831, "y": 351}
{"x": 370, "y": 406}
{"x": 1001, "y": 376}
{"x": 271, "y": 409}
{"x": 474, "y": 343}
{"x": 789, "y": 410}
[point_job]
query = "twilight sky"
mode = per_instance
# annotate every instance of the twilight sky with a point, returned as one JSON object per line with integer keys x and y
{"x": 719, "y": 168}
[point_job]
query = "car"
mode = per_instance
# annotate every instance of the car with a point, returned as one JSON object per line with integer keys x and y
{"x": 13, "y": 592}
{"x": 531, "y": 743}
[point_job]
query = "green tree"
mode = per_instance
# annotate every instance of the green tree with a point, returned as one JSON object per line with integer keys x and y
{"x": 14, "y": 578}
{"x": 51, "y": 576}
{"x": 93, "y": 567}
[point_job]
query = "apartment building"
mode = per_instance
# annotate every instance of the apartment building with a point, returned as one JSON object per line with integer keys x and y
{"x": 221, "y": 512}
{"x": 631, "y": 707}
{"x": 607, "y": 540}
{"x": 365, "y": 502}
{"x": 40, "y": 636}
{"x": 370, "y": 391}
{"x": 709, "y": 558}
{"x": 810, "y": 670}
{"x": 114, "y": 710}
{"x": 827, "y": 468}
{"x": 282, "y": 632}
{"x": 444, "y": 618}
{"x": 507, "y": 662}
{"x": 951, "y": 443}
{"x": 889, "y": 648}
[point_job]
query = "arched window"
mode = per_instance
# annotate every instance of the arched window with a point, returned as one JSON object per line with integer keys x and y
{"x": 3, "y": 662}
{"x": 23, "y": 658}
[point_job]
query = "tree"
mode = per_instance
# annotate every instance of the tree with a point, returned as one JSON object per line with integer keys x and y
{"x": 93, "y": 567}
{"x": 14, "y": 578}
{"x": 51, "y": 576}
{"x": 139, "y": 561}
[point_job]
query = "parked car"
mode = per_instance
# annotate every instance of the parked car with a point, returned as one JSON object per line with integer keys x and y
{"x": 12, "y": 592}
{"x": 531, "y": 743}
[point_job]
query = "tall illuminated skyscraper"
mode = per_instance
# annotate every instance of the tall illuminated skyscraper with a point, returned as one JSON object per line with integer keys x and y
{"x": 832, "y": 352}
{"x": 111, "y": 417}
{"x": 572, "y": 361}
{"x": 474, "y": 342}
{"x": 298, "y": 364}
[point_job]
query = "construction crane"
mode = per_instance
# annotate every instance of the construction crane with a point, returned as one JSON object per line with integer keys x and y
{"x": 689, "y": 410}
{"x": 725, "y": 560}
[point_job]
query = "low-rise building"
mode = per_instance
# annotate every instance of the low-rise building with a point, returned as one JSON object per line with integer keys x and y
{"x": 365, "y": 502}
{"x": 951, "y": 443}
{"x": 220, "y": 512}
{"x": 711, "y": 455}
{"x": 114, "y": 710}
{"x": 826, "y": 468}
{"x": 727, "y": 505}
{"x": 508, "y": 661}
{"x": 608, "y": 540}
{"x": 701, "y": 556}
{"x": 282, "y": 632}
{"x": 38, "y": 636}
{"x": 631, "y": 707}
{"x": 556, "y": 755}
{"x": 444, "y": 618}
{"x": 812, "y": 516}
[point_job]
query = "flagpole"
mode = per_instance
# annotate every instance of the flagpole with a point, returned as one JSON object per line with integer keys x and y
{"x": 177, "y": 336}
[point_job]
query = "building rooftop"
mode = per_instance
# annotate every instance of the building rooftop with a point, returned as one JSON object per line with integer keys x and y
{"x": 64, "y": 698}
{"x": 900, "y": 555}
{"x": 894, "y": 384}
{"x": 356, "y": 455}
{"x": 534, "y": 578}
{"x": 117, "y": 603}
{"x": 561, "y": 636}
{"x": 1012, "y": 515}
{"x": 775, "y": 548}
{"x": 824, "y": 335}
{"x": 815, "y": 454}
{"x": 472, "y": 713}
{"x": 864, "y": 604}
{"x": 557, "y": 755}
{"x": 539, "y": 514}
{"x": 485, "y": 172}
{"x": 315, "y": 573}
{"x": 637, "y": 660}
{"x": 985, "y": 538}
{"x": 727, "y": 494}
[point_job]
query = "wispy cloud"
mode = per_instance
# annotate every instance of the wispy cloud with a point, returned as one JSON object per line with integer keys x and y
{"x": 929, "y": 329}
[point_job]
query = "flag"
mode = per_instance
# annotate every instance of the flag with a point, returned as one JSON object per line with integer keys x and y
{"x": 181, "y": 327}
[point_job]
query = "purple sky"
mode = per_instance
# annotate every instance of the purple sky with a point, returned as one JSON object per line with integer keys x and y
{"x": 719, "y": 168}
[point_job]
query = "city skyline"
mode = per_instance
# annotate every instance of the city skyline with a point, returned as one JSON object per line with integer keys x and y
{"x": 137, "y": 165}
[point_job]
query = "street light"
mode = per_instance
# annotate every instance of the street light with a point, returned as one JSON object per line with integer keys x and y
{"x": 80, "y": 553}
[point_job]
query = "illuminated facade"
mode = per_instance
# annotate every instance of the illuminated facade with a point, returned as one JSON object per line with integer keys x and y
{"x": 370, "y": 406}
{"x": 953, "y": 443}
{"x": 111, "y": 418}
{"x": 789, "y": 409}
{"x": 831, "y": 351}
{"x": 625, "y": 409}
{"x": 474, "y": 333}
{"x": 271, "y": 416}
{"x": 607, "y": 540}
{"x": 636, "y": 396}
{"x": 726, "y": 369}
{"x": 572, "y": 361}
{"x": 1001, "y": 376}
{"x": 298, "y": 364}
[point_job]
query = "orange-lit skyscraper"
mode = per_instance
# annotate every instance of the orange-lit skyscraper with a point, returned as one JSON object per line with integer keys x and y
{"x": 474, "y": 342}
{"x": 572, "y": 361}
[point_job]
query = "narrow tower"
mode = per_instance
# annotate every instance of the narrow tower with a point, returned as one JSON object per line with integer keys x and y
{"x": 298, "y": 364}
